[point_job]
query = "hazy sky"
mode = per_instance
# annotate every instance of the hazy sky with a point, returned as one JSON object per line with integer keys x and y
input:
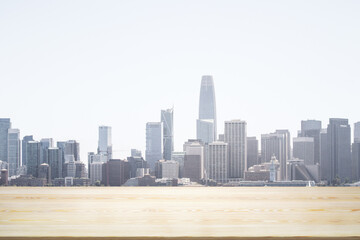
{"x": 67, "y": 67}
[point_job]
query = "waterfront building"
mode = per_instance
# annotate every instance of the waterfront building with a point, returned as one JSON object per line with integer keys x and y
{"x": 303, "y": 148}
{"x": 96, "y": 172}
{"x": 115, "y": 172}
{"x": 252, "y": 151}
{"x": 13, "y": 151}
{"x": 355, "y": 174}
{"x": 33, "y": 157}
{"x": 217, "y": 157}
{"x": 45, "y": 172}
{"x": 105, "y": 142}
{"x": 4, "y": 177}
{"x": 45, "y": 144}
{"x": 324, "y": 156}
{"x": 235, "y": 137}
{"x": 205, "y": 130}
{"x": 5, "y": 125}
{"x": 194, "y": 160}
{"x": 72, "y": 147}
{"x": 180, "y": 158}
{"x": 25, "y": 140}
{"x": 167, "y": 118}
{"x": 154, "y": 143}
{"x": 136, "y": 163}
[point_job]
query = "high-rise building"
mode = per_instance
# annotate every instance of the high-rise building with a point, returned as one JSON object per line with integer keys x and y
{"x": 154, "y": 143}
{"x": 303, "y": 148}
{"x": 136, "y": 163}
{"x": 252, "y": 146}
{"x": 167, "y": 118}
{"x": 217, "y": 158}
{"x": 355, "y": 161}
{"x": 180, "y": 158}
{"x": 115, "y": 172}
{"x": 277, "y": 144}
{"x": 55, "y": 162}
{"x": 207, "y": 107}
{"x": 45, "y": 144}
{"x": 96, "y": 172}
{"x": 5, "y": 125}
{"x": 357, "y": 132}
{"x": 71, "y": 148}
{"x": 25, "y": 140}
{"x": 45, "y": 172}
{"x": 33, "y": 157}
{"x": 194, "y": 160}
{"x": 170, "y": 169}
{"x": 235, "y": 136}
{"x": 339, "y": 148}
{"x": 13, "y": 150}
{"x": 136, "y": 153}
{"x": 105, "y": 143}
{"x": 324, "y": 156}
{"x": 205, "y": 130}
{"x": 312, "y": 128}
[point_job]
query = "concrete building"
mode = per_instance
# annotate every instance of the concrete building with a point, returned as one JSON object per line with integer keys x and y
{"x": 167, "y": 118}
{"x": 13, "y": 151}
{"x": 235, "y": 136}
{"x": 136, "y": 163}
{"x": 105, "y": 142}
{"x": 357, "y": 132}
{"x": 80, "y": 170}
{"x": 312, "y": 128}
{"x": 217, "y": 162}
{"x": 45, "y": 144}
{"x": 72, "y": 148}
{"x": 324, "y": 156}
{"x": 355, "y": 174}
{"x": 252, "y": 152}
{"x": 25, "y": 140}
{"x": 194, "y": 160}
{"x": 4, "y": 177}
{"x": 298, "y": 170}
{"x": 115, "y": 172}
{"x": 5, "y": 125}
{"x": 339, "y": 149}
{"x": 303, "y": 148}
{"x": 154, "y": 143}
{"x": 45, "y": 172}
{"x": 136, "y": 153}
{"x": 96, "y": 172}
{"x": 33, "y": 158}
{"x": 180, "y": 158}
{"x": 170, "y": 169}
{"x": 257, "y": 173}
{"x": 205, "y": 130}
{"x": 55, "y": 162}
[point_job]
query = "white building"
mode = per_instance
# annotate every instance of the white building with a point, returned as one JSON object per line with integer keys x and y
{"x": 235, "y": 136}
{"x": 217, "y": 157}
{"x": 95, "y": 172}
{"x": 170, "y": 169}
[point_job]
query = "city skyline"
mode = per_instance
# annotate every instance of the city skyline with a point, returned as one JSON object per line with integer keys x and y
{"x": 273, "y": 63}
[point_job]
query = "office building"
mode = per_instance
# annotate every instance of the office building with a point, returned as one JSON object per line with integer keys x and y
{"x": 71, "y": 147}
{"x": 4, "y": 177}
{"x": 207, "y": 111}
{"x": 55, "y": 162}
{"x": 252, "y": 152}
{"x": 170, "y": 169}
{"x": 33, "y": 157}
{"x": 115, "y": 172}
{"x": 25, "y": 140}
{"x": 136, "y": 153}
{"x": 136, "y": 163}
{"x": 339, "y": 149}
{"x": 179, "y": 157}
{"x": 355, "y": 174}
{"x": 13, "y": 151}
{"x": 45, "y": 144}
{"x": 312, "y": 128}
{"x": 194, "y": 160}
{"x": 217, "y": 157}
{"x": 45, "y": 172}
{"x": 303, "y": 148}
{"x": 5, "y": 125}
{"x": 235, "y": 137}
{"x": 154, "y": 143}
{"x": 167, "y": 118}
{"x": 357, "y": 132}
{"x": 105, "y": 142}
{"x": 96, "y": 173}
{"x": 324, "y": 156}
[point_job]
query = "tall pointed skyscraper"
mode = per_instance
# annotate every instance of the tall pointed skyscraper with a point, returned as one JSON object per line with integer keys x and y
{"x": 207, "y": 111}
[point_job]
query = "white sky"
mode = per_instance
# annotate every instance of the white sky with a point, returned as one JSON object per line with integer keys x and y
{"x": 67, "y": 67}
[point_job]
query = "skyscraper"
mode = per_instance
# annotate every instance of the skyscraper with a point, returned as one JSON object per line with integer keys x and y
{"x": 252, "y": 152}
{"x": 5, "y": 125}
{"x": 33, "y": 157}
{"x": 45, "y": 144}
{"x": 167, "y": 118}
{"x": 72, "y": 148}
{"x": 25, "y": 140}
{"x": 339, "y": 148}
{"x": 194, "y": 160}
{"x": 207, "y": 105}
{"x": 205, "y": 130}
{"x": 304, "y": 149}
{"x": 312, "y": 128}
{"x": 217, "y": 158}
{"x": 357, "y": 132}
{"x": 105, "y": 143}
{"x": 55, "y": 162}
{"x": 235, "y": 137}
{"x": 324, "y": 156}
{"x": 154, "y": 143}
{"x": 13, "y": 151}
